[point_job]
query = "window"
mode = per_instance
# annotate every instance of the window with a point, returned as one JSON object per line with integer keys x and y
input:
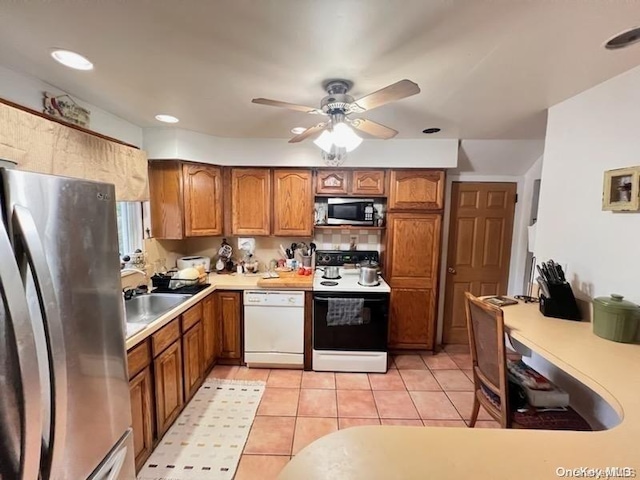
{"x": 130, "y": 236}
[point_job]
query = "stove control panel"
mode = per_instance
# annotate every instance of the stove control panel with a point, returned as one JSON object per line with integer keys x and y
{"x": 338, "y": 258}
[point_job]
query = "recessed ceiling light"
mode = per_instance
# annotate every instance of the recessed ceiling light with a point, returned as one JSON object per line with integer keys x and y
{"x": 431, "y": 130}
{"x": 624, "y": 39}
{"x": 72, "y": 60}
{"x": 298, "y": 130}
{"x": 167, "y": 118}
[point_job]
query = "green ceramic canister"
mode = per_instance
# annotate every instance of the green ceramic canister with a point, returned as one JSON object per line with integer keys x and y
{"x": 615, "y": 319}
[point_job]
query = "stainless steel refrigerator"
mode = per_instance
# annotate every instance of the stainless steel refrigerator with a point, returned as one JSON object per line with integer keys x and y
{"x": 64, "y": 394}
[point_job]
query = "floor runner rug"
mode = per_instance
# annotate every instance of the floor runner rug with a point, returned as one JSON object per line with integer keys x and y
{"x": 207, "y": 439}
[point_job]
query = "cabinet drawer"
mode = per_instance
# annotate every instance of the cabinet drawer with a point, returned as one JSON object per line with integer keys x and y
{"x": 191, "y": 317}
{"x": 138, "y": 358}
{"x": 165, "y": 337}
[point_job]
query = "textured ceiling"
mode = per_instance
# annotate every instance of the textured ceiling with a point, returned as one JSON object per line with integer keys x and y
{"x": 487, "y": 69}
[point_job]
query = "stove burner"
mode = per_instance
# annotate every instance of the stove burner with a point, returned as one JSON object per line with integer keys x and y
{"x": 328, "y": 284}
{"x": 374, "y": 285}
{"x": 333, "y": 278}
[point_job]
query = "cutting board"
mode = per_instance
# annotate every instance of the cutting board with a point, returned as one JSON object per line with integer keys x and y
{"x": 287, "y": 280}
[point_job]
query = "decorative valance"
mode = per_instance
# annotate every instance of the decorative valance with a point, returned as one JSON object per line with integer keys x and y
{"x": 40, "y": 145}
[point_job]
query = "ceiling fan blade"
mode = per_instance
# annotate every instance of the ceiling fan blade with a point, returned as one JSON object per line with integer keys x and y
{"x": 373, "y": 128}
{"x": 290, "y": 106}
{"x": 308, "y": 132}
{"x": 402, "y": 89}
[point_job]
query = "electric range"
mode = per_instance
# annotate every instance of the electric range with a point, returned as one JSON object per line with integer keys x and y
{"x": 350, "y": 321}
{"x": 349, "y": 274}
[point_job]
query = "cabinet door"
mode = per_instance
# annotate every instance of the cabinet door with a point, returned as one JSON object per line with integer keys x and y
{"x": 169, "y": 390}
{"x": 416, "y": 190}
{"x": 202, "y": 200}
{"x": 413, "y": 249}
{"x": 250, "y": 201}
{"x": 193, "y": 362}
{"x": 165, "y": 194}
{"x": 141, "y": 393}
{"x": 293, "y": 203}
{"x": 368, "y": 182}
{"x": 412, "y": 318}
{"x": 209, "y": 331}
{"x": 332, "y": 182}
{"x": 228, "y": 306}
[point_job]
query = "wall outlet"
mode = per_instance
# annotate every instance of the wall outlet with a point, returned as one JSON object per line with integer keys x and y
{"x": 353, "y": 243}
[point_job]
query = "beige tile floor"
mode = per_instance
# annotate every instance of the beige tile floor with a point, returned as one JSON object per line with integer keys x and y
{"x": 299, "y": 407}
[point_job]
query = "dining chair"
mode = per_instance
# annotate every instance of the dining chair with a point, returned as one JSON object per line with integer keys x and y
{"x": 485, "y": 324}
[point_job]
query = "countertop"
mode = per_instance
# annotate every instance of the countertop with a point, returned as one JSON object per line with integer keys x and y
{"x": 217, "y": 282}
{"x": 394, "y": 452}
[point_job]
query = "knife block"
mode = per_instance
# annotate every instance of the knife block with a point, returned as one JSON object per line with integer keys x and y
{"x": 561, "y": 303}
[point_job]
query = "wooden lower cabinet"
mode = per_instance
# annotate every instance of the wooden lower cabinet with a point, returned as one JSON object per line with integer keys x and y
{"x": 169, "y": 388}
{"x": 141, "y": 393}
{"x": 209, "y": 331}
{"x": 193, "y": 348}
{"x": 229, "y": 307}
{"x": 412, "y": 318}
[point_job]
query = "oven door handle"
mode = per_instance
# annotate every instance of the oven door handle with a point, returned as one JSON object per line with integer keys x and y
{"x": 366, "y": 300}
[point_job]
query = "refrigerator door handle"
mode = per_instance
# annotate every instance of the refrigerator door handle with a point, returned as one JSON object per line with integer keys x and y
{"x": 26, "y": 231}
{"x": 15, "y": 302}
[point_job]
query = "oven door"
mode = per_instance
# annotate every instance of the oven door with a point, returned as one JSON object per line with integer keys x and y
{"x": 371, "y": 335}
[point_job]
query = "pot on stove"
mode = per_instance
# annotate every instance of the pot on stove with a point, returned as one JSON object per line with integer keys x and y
{"x": 369, "y": 274}
{"x": 331, "y": 273}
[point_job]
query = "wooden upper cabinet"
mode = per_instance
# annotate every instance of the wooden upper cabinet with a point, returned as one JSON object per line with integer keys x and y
{"x": 332, "y": 182}
{"x": 416, "y": 190}
{"x": 293, "y": 203}
{"x": 250, "y": 201}
{"x": 413, "y": 249}
{"x": 202, "y": 200}
{"x": 186, "y": 199}
{"x": 165, "y": 193}
{"x": 367, "y": 182}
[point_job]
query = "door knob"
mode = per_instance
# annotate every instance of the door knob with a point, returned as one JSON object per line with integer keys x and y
{"x": 451, "y": 270}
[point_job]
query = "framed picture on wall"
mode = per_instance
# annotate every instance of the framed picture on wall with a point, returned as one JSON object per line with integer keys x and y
{"x": 621, "y": 191}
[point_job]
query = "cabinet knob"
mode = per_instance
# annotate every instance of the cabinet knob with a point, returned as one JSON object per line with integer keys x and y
{"x": 451, "y": 270}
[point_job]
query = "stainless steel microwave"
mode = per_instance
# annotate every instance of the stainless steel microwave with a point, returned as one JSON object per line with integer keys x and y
{"x": 350, "y": 211}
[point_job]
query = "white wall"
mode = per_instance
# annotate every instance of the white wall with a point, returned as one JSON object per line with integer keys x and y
{"x": 592, "y": 132}
{"x": 188, "y": 145}
{"x": 27, "y": 91}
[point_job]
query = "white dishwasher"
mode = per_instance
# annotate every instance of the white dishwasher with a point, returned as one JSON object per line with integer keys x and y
{"x": 273, "y": 329}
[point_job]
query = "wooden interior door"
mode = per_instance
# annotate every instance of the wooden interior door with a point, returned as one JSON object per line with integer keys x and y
{"x": 202, "y": 200}
{"x": 479, "y": 251}
{"x": 250, "y": 201}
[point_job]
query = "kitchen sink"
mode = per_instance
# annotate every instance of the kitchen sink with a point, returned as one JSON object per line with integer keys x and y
{"x": 147, "y": 308}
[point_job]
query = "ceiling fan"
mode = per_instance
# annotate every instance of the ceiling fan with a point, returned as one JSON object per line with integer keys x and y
{"x": 337, "y": 133}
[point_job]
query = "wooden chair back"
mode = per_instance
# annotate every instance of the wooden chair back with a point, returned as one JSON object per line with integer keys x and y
{"x": 485, "y": 324}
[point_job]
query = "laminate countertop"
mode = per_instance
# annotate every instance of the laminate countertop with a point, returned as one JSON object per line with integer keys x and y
{"x": 217, "y": 282}
{"x": 610, "y": 369}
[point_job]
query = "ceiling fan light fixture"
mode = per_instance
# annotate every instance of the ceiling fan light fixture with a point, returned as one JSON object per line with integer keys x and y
{"x": 345, "y": 137}
{"x": 325, "y": 141}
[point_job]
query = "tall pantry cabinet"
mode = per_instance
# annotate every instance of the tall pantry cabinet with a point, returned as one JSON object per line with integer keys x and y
{"x": 412, "y": 256}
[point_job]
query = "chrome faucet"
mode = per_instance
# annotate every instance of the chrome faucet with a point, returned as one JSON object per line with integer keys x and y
{"x": 133, "y": 270}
